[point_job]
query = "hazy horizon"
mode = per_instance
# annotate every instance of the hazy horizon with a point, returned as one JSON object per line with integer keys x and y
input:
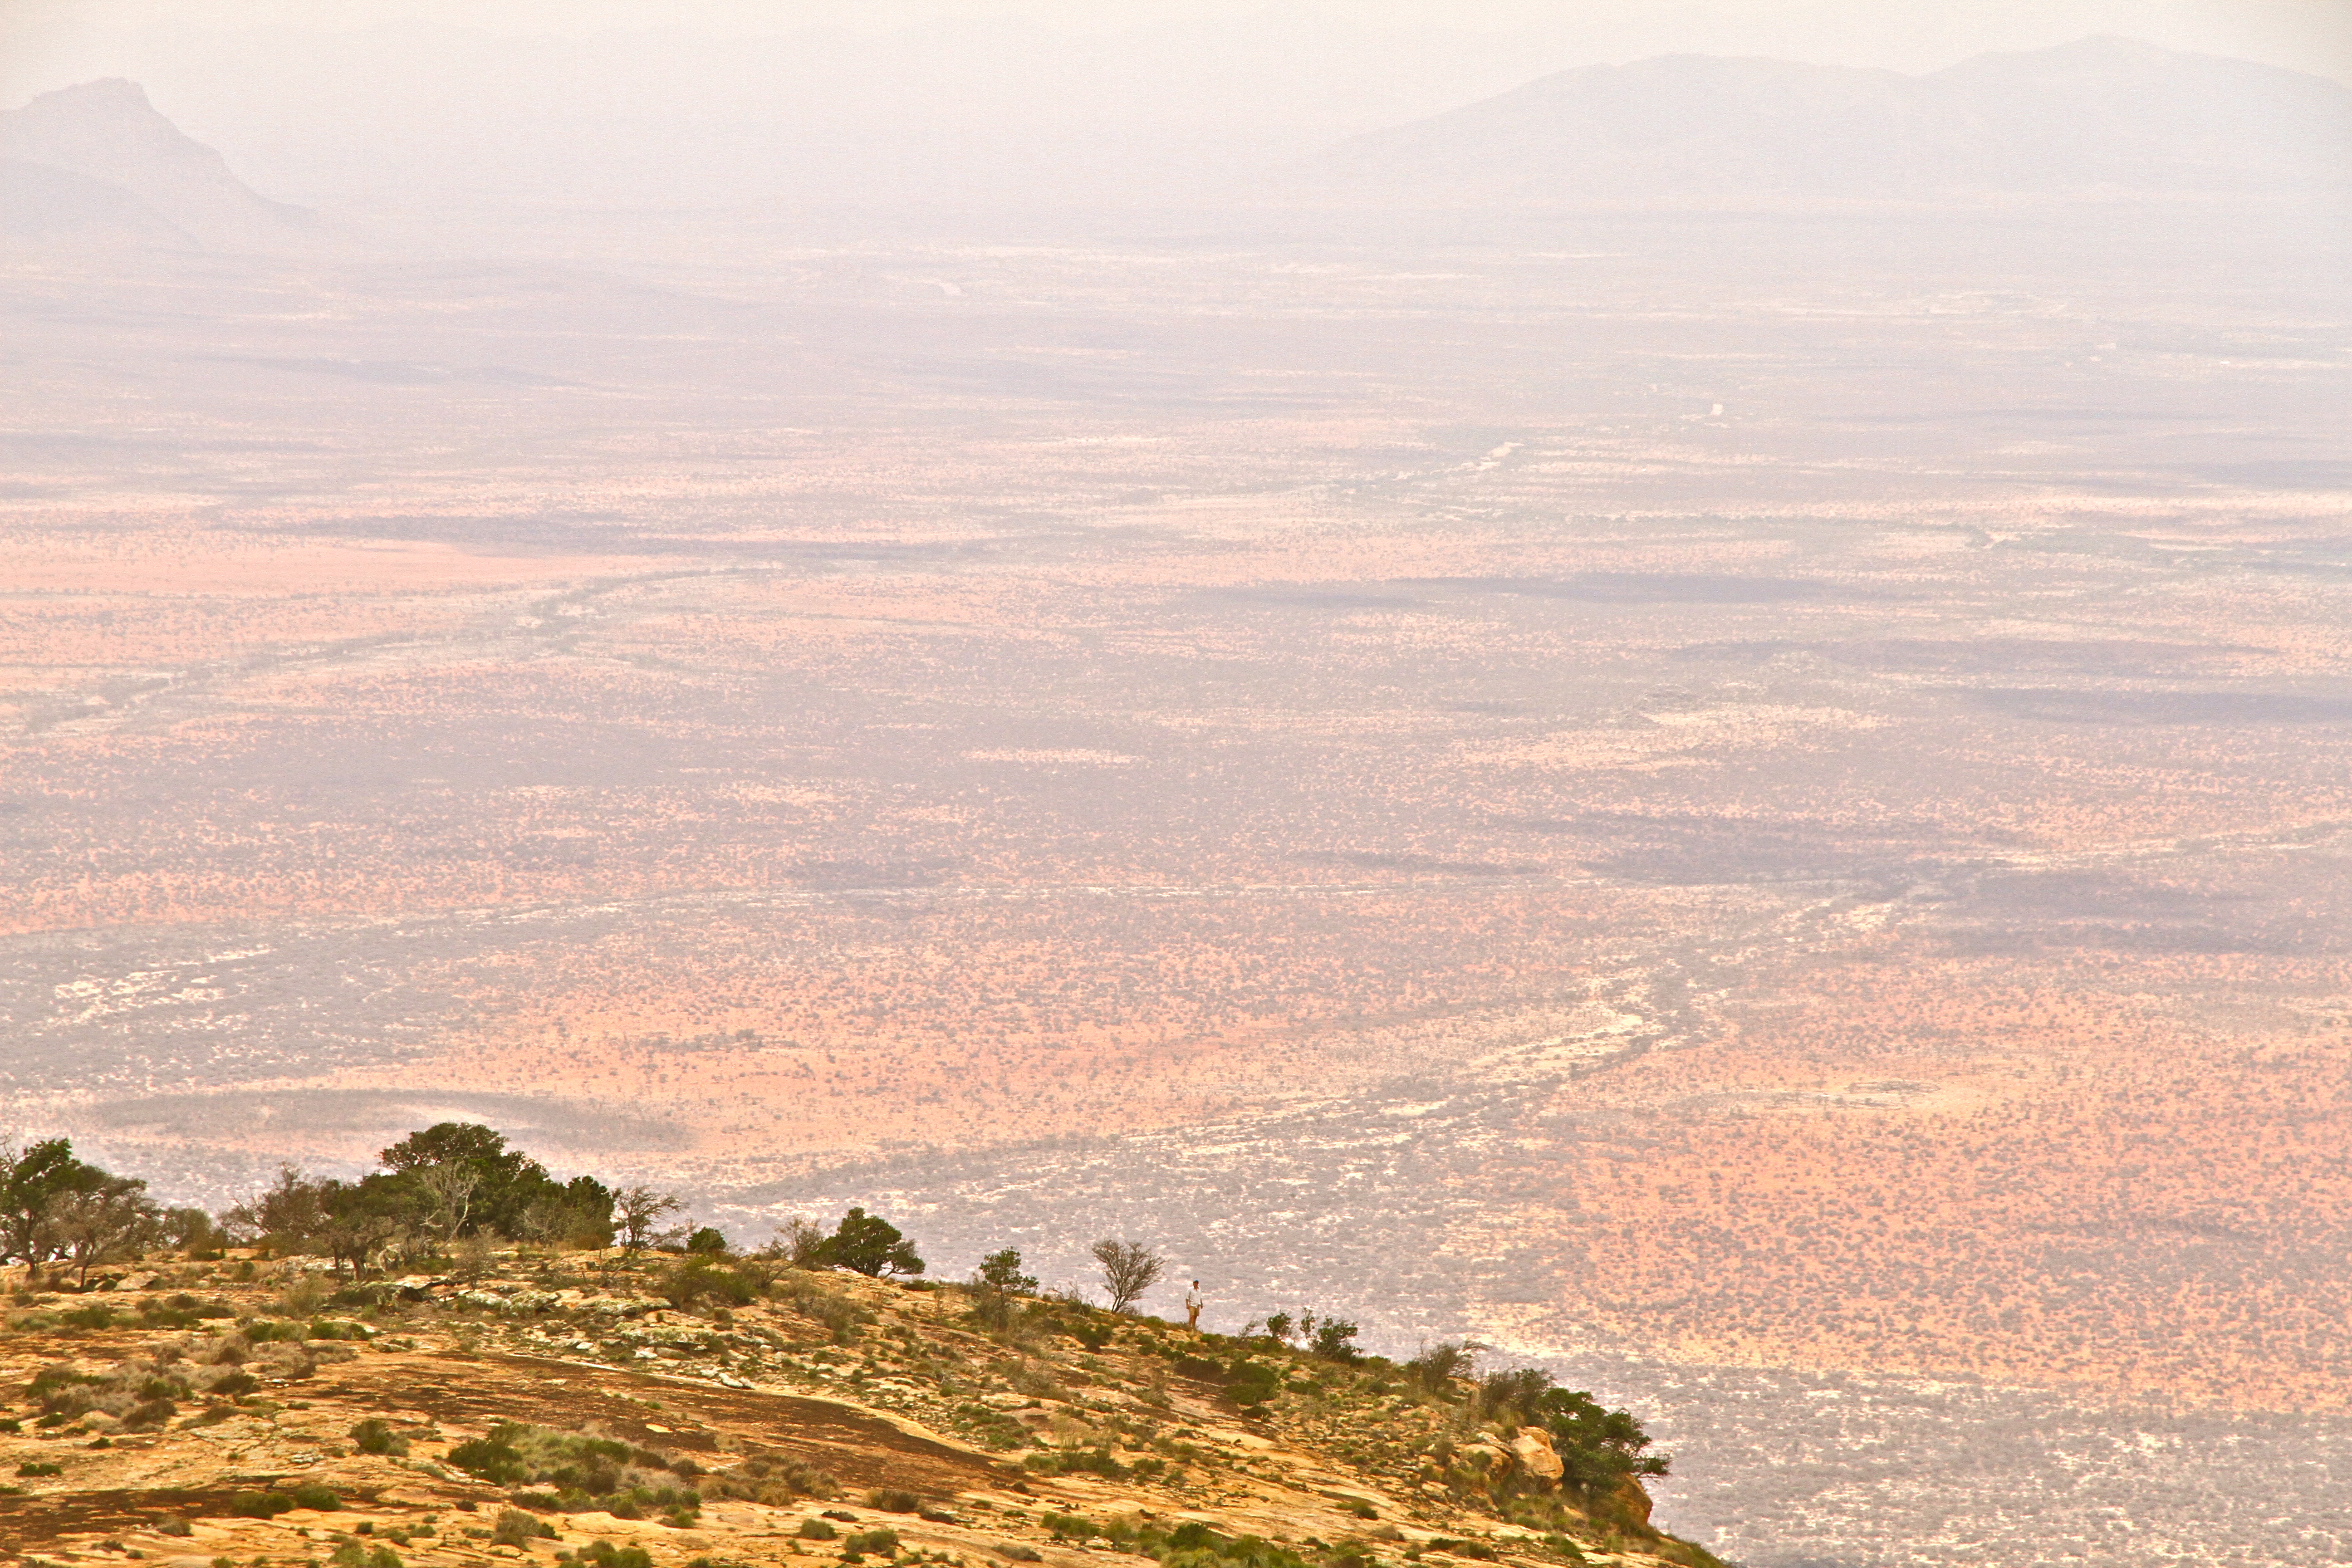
{"x": 398, "y": 107}
{"x": 1693, "y": 718}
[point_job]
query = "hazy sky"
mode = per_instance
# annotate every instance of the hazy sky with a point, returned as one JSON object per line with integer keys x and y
{"x": 413, "y": 103}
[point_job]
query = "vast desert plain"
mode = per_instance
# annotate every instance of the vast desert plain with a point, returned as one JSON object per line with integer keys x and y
{"x": 1753, "y": 805}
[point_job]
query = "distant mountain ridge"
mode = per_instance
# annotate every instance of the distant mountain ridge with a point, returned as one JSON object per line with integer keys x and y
{"x": 97, "y": 162}
{"x": 2099, "y": 114}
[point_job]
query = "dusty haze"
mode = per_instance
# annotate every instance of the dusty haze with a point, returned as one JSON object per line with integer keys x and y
{"x": 1668, "y": 688}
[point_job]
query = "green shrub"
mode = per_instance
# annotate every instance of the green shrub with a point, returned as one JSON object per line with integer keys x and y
{"x": 894, "y": 1499}
{"x": 149, "y": 1414}
{"x": 1601, "y": 1449}
{"x": 773, "y": 1480}
{"x": 36, "y": 1467}
{"x": 376, "y": 1437}
{"x": 260, "y": 1505}
{"x": 1252, "y": 1383}
{"x": 491, "y": 1459}
{"x": 586, "y": 1472}
{"x": 605, "y": 1554}
{"x": 1195, "y": 1545}
{"x": 1335, "y": 1339}
{"x": 351, "y": 1555}
{"x": 881, "y": 1541}
{"x": 1434, "y": 1370}
{"x": 1074, "y": 1462}
{"x": 311, "y": 1495}
{"x": 841, "y": 1316}
{"x": 516, "y": 1528}
{"x": 182, "y": 1310}
{"x": 816, "y": 1529}
{"x": 271, "y": 1330}
{"x": 993, "y": 1428}
{"x": 707, "y": 1278}
{"x": 52, "y": 1386}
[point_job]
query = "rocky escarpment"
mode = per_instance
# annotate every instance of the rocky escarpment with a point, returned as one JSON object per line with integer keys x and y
{"x": 640, "y": 1411}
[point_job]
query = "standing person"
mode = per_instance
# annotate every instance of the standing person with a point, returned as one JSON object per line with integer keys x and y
{"x": 1193, "y": 1302}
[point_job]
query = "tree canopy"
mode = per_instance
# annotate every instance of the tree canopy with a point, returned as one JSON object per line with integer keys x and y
{"x": 454, "y": 1179}
{"x": 55, "y": 1207}
{"x": 870, "y": 1245}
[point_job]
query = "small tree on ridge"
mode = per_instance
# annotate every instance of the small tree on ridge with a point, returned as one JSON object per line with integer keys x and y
{"x": 871, "y": 1245}
{"x": 1128, "y": 1270}
{"x": 637, "y": 1213}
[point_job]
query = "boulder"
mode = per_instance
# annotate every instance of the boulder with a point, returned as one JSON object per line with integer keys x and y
{"x": 1532, "y": 1447}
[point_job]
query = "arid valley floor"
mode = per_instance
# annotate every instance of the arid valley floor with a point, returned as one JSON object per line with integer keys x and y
{"x": 1626, "y": 787}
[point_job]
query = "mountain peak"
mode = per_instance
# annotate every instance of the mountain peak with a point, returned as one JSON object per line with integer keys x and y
{"x": 2097, "y": 113}
{"x": 113, "y": 92}
{"x": 107, "y": 133}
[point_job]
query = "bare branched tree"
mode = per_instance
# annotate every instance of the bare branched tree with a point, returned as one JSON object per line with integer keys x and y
{"x": 801, "y": 1242}
{"x": 1128, "y": 1270}
{"x": 637, "y": 1213}
{"x": 448, "y": 1194}
{"x": 103, "y": 1226}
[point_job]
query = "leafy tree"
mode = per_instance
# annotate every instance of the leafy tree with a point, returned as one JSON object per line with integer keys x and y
{"x": 581, "y": 1215}
{"x": 1335, "y": 1339}
{"x": 351, "y": 1222}
{"x": 101, "y": 1224}
{"x": 709, "y": 1239}
{"x": 1434, "y": 1369}
{"x": 506, "y": 1182}
{"x": 32, "y": 1181}
{"x": 288, "y": 1215}
{"x": 871, "y": 1245}
{"x": 54, "y": 1206}
{"x": 1598, "y": 1449}
{"x": 1001, "y": 1272}
{"x": 347, "y": 1221}
{"x": 1128, "y": 1270}
{"x": 191, "y": 1231}
{"x": 995, "y": 1284}
{"x": 364, "y": 1218}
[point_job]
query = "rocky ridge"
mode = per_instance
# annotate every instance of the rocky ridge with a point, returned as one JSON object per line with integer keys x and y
{"x": 638, "y": 1412}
